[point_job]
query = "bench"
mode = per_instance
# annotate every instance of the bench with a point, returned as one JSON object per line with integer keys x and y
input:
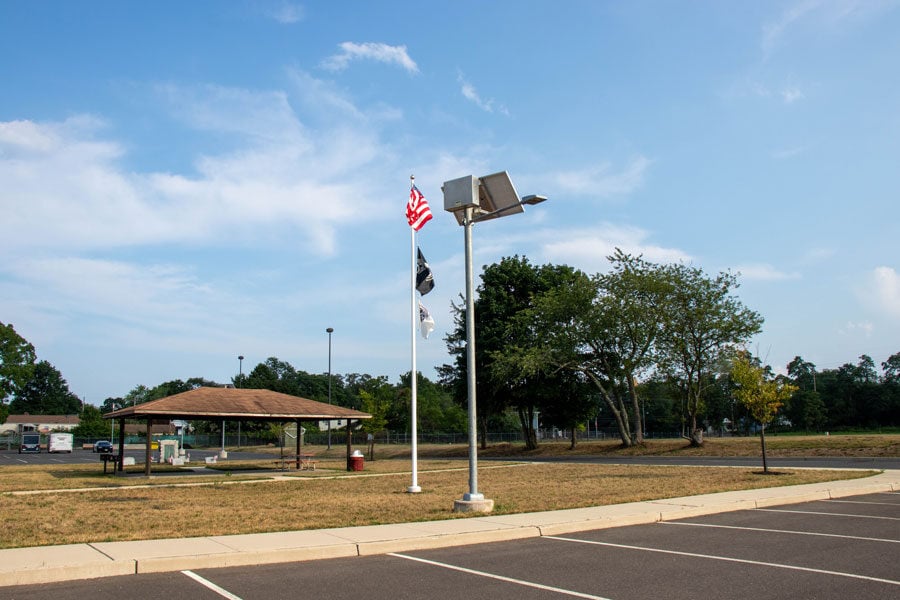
{"x": 307, "y": 462}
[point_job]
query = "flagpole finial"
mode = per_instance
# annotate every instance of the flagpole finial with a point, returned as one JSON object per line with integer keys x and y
{"x": 412, "y": 179}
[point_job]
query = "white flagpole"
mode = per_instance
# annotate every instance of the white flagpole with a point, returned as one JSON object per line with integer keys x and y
{"x": 413, "y": 309}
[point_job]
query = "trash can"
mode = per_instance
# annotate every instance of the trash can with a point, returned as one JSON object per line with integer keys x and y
{"x": 357, "y": 460}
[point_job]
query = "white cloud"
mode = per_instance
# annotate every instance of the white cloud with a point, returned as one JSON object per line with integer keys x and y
{"x": 852, "y": 328}
{"x": 587, "y": 248}
{"x": 64, "y": 186}
{"x": 883, "y": 290}
{"x": 471, "y": 94}
{"x": 773, "y": 32}
{"x": 600, "y": 180}
{"x": 821, "y": 15}
{"x": 378, "y": 52}
{"x": 785, "y": 153}
{"x": 764, "y": 272}
{"x": 286, "y": 13}
{"x": 791, "y": 94}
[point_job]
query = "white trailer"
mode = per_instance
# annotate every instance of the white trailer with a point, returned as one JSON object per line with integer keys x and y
{"x": 60, "y": 442}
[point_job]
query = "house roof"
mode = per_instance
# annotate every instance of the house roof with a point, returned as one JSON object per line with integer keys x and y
{"x": 214, "y": 403}
{"x": 43, "y": 419}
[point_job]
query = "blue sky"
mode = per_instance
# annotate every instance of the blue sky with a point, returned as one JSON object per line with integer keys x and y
{"x": 185, "y": 182}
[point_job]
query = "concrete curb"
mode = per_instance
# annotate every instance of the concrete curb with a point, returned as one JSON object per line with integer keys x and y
{"x": 86, "y": 561}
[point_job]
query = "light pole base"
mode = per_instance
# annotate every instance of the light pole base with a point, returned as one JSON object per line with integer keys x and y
{"x": 414, "y": 489}
{"x": 473, "y": 504}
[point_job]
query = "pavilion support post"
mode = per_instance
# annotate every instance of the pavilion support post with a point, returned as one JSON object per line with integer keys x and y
{"x": 148, "y": 450}
{"x": 120, "y": 463}
{"x": 349, "y": 441}
{"x": 298, "y": 444}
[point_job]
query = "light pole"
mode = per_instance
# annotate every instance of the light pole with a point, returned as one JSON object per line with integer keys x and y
{"x": 330, "y": 330}
{"x": 471, "y": 200}
{"x": 240, "y": 385}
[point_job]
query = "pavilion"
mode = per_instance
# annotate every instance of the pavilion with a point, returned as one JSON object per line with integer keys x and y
{"x": 231, "y": 404}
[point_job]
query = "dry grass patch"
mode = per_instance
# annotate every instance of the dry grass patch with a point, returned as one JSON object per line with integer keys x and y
{"x": 883, "y": 445}
{"x": 228, "y": 506}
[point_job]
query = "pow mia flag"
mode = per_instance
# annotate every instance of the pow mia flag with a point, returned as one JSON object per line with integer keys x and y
{"x": 424, "y": 277}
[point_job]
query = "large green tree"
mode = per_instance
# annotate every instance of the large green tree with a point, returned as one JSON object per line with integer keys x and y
{"x": 704, "y": 320}
{"x": 507, "y": 288}
{"x": 17, "y": 358}
{"x": 603, "y": 328}
{"x": 46, "y": 393}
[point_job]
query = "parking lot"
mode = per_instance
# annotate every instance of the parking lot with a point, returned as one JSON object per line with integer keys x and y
{"x": 826, "y": 549}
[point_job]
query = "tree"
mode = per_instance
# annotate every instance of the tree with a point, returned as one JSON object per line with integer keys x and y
{"x": 704, "y": 319}
{"x": 46, "y": 393}
{"x": 91, "y": 423}
{"x": 891, "y": 368}
{"x": 16, "y": 363}
{"x": 507, "y": 288}
{"x": 761, "y": 396}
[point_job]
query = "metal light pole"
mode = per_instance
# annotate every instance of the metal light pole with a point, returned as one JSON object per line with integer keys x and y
{"x": 472, "y": 200}
{"x": 330, "y": 330}
{"x": 240, "y": 385}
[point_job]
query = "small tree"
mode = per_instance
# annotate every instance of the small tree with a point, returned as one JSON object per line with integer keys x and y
{"x": 762, "y": 397}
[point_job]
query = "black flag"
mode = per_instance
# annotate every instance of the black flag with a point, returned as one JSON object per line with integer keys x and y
{"x": 424, "y": 278}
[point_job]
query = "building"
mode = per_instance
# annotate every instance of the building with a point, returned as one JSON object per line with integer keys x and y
{"x": 19, "y": 424}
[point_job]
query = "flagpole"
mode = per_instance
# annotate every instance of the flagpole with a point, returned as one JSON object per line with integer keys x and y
{"x": 414, "y": 487}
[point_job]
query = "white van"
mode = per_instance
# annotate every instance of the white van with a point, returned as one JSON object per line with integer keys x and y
{"x": 60, "y": 442}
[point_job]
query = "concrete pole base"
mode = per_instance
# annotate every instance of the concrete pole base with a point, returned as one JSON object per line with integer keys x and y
{"x": 484, "y": 505}
{"x": 413, "y": 489}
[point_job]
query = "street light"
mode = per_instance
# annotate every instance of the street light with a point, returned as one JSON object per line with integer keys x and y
{"x": 330, "y": 330}
{"x": 240, "y": 385}
{"x": 471, "y": 200}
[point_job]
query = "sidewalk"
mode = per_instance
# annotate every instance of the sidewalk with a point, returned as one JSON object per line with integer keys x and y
{"x": 85, "y": 561}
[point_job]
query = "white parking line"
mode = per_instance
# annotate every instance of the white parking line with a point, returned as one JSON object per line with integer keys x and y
{"x": 210, "y": 585}
{"x": 530, "y": 584}
{"x": 834, "y": 535}
{"x": 727, "y": 559}
{"x": 860, "y": 502}
{"x": 827, "y": 514}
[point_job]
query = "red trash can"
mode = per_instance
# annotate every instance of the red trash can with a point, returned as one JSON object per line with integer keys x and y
{"x": 357, "y": 462}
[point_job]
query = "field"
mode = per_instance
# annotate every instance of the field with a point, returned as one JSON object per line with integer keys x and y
{"x": 72, "y": 503}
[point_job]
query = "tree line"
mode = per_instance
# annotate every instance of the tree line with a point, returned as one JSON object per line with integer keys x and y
{"x": 642, "y": 348}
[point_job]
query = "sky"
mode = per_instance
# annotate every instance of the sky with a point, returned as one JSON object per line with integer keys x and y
{"x": 183, "y": 183}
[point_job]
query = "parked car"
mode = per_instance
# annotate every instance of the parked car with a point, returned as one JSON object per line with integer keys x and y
{"x": 31, "y": 442}
{"x": 103, "y": 447}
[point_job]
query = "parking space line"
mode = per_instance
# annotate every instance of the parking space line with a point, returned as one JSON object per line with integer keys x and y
{"x": 726, "y": 559}
{"x": 790, "y": 531}
{"x": 522, "y": 582}
{"x": 211, "y": 586}
{"x": 827, "y": 514}
{"x": 860, "y": 502}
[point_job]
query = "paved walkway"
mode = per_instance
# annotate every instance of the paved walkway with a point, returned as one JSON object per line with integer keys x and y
{"x": 84, "y": 561}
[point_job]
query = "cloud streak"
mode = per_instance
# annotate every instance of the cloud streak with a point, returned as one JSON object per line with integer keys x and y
{"x": 378, "y": 52}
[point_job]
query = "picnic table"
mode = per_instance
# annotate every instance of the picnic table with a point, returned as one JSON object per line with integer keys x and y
{"x": 302, "y": 461}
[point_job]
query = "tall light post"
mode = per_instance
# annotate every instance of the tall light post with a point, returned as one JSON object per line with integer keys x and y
{"x": 329, "y": 330}
{"x": 472, "y": 200}
{"x": 240, "y": 385}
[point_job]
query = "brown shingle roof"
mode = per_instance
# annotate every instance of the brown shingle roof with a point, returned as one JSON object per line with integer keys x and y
{"x": 214, "y": 403}
{"x": 44, "y": 419}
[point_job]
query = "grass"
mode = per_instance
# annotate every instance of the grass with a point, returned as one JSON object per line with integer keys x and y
{"x": 240, "y": 501}
{"x": 243, "y": 499}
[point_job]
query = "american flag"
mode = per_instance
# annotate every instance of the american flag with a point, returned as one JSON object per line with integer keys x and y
{"x": 417, "y": 211}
